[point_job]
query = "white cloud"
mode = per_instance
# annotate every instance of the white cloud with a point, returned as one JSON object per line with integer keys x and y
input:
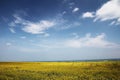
{"x": 38, "y": 28}
{"x": 31, "y": 27}
{"x": 118, "y": 22}
{"x": 88, "y": 15}
{"x": 75, "y": 10}
{"x": 89, "y": 41}
{"x": 108, "y": 11}
{"x": 12, "y": 30}
{"x": 113, "y": 22}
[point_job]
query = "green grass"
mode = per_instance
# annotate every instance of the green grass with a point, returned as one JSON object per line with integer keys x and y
{"x": 104, "y": 70}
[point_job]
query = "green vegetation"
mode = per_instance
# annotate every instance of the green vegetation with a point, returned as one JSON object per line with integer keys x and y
{"x": 104, "y": 70}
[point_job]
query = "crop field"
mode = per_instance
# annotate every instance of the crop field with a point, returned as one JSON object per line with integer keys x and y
{"x": 101, "y": 70}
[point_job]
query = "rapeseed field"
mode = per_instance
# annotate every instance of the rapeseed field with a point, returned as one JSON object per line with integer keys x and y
{"x": 101, "y": 70}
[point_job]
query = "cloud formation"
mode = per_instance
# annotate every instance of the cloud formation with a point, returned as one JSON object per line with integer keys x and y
{"x": 75, "y": 10}
{"x": 37, "y": 28}
{"x": 108, "y": 11}
{"x": 31, "y": 27}
{"x": 89, "y": 41}
{"x": 88, "y": 15}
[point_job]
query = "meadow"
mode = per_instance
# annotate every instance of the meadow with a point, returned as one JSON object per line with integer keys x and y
{"x": 93, "y": 70}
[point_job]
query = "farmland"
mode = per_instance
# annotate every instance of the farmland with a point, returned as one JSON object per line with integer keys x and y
{"x": 93, "y": 70}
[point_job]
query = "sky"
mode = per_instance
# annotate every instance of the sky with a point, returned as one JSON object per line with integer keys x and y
{"x": 50, "y": 30}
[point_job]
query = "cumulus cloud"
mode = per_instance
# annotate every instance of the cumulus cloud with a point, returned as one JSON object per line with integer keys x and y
{"x": 108, "y": 11}
{"x": 32, "y": 27}
{"x": 75, "y": 10}
{"x": 88, "y": 15}
{"x": 89, "y": 41}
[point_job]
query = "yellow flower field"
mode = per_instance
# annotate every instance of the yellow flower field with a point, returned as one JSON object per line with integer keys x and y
{"x": 101, "y": 70}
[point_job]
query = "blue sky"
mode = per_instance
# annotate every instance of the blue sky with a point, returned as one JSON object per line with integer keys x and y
{"x": 48, "y": 30}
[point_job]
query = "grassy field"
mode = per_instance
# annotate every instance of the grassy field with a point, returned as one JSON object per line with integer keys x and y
{"x": 103, "y": 70}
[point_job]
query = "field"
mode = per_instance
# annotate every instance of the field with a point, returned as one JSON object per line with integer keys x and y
{"x": 101, "y": 70}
